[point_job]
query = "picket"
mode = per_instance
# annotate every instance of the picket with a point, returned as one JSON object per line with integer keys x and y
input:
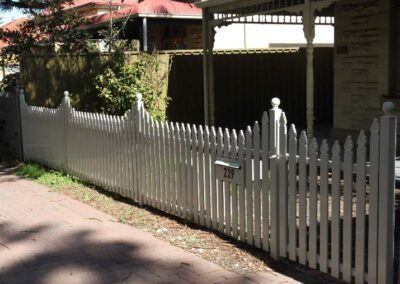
{"x": 347, "y": 209}
{"x": 161, "y": 146}
{"x": 324, "y": 207}
{"x": 101, "y": 148}
{"x": 172, "y": 157}
{"x": 124, "y": 157}
{"x": 184, "y": 171}
{"x": 234, "y": 188}
{"x": 179, "y": 166}
{"x": 134, "y": 129}
{"x": 265, "y": 181}
{"x": 189, "y": 174}
{"x": 195, "y": 184}
{"x": 283, "y": 186}
{"x": 256, "y": 185}
{"x": 207, "y": 175}
{"x": 335, "y": 227}
{"x": 113, "y": 154}
{"x": 131, "y": 142}
{"x": 146, "y": 165}
{"x": 157, "y": 153}
{"x": 214, "y": 214}
{"x": 312, "y": 184}
{"x": 220, "y": 192}
{"x": 303, "y": 198}
{"x": 249, "y": 187}
{"x": 167, "y": 168}
{"x": 110, "y": 151}
{"x": 80, "y": 149}
{"x": 227, "y": 187}
{"x": 360, "y": 208}
{"x": 201, "y": 169}
{"x": 293, "y": 201}
{"x": 153, "y": 162}
{"x": 242, "y": 197}
{"x": 91, "y": 148}
{"x": 121, "y": 157}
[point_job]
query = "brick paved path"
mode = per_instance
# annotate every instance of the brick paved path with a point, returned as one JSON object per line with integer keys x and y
{"x": 46, "y": 237}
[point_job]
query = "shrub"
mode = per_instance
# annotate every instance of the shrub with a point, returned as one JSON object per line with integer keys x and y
{"x": 9, "y": 82}
{"x": 120, "y": 81}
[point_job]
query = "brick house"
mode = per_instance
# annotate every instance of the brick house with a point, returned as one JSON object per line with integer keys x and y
{"x": 366, "y": 51}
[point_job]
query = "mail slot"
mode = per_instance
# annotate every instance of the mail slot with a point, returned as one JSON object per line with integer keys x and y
{"x": 229, "y": 170}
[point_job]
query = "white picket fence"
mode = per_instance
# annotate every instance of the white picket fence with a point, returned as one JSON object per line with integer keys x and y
{"x": 331, "y": 210}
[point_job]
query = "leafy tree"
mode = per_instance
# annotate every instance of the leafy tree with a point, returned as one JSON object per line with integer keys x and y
{"x": 50, "y": 26}
{"x": 24, "y": 4}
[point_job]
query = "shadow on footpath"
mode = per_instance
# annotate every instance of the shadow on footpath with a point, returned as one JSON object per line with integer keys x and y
{"x": 100, "y": 261}
{"x": 111, "y": 262}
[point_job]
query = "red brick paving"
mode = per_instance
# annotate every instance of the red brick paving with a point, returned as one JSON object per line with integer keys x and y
{"x": 46, "y": 237}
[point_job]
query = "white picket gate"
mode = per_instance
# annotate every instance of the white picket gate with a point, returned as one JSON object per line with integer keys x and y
{"x": 265, "y": 186}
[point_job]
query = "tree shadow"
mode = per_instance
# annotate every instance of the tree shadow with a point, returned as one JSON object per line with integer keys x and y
{"x": 289, "y": 268}
{"x": 82, "y": 257}
{"x": 286, "y": 267}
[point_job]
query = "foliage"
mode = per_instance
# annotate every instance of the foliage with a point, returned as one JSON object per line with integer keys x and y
{"x": 56, "y": 180}
{"x": 119, "y": 83}
{"x": 50, "y": 27}
{"x": 112, "y": 35}
{"x": 9, "y": 82}
{"x": 26, "y": 4}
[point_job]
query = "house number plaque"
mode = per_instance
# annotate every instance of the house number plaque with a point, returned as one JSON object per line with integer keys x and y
{"x": 229, "y": 170}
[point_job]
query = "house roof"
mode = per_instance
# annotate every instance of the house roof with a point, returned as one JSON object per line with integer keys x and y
{"x": 12, "y": 26}
{"x": 151, "y": 8}
{"x": 81, "y": 3}
{"x": 168, "y": 7}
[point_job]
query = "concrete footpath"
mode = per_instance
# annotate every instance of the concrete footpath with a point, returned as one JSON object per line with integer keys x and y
{"x": 46, "y": 237}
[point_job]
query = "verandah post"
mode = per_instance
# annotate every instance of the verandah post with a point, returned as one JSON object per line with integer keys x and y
{"x": 274, "y": 114}
{"x": 387, "y": 153}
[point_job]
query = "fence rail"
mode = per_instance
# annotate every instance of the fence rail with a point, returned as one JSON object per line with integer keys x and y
{"x": 266, "y": 186}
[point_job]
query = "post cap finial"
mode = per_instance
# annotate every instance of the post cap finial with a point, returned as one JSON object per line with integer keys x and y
{"x": 388, "y": 107}
{"x": 275, "y": 102}
{"x": 66, "y": 94}
{"x": 139, "y": 97}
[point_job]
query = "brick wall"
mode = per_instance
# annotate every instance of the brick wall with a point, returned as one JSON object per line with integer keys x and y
{"x": 361, "y": 61}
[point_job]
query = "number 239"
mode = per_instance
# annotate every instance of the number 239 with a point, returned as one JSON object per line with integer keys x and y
{"x": 228, "y": 173}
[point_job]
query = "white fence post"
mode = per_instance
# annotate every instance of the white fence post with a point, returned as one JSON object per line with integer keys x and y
{"x": 283, "y": 186}
{"x": 139, "y": 145}
{"x": 65, "y": 109}
{"x": 274, "y": 114}
{"x": 388, "y": 125}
